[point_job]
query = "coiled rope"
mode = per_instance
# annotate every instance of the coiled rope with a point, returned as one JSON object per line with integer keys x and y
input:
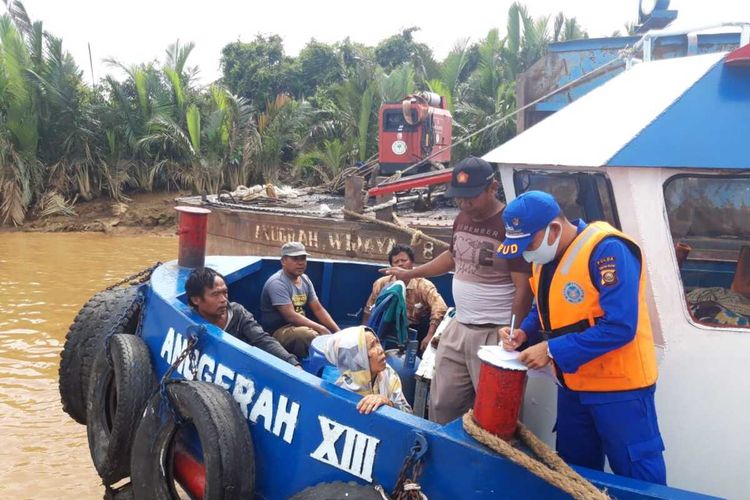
{"x": 549, "y": 467}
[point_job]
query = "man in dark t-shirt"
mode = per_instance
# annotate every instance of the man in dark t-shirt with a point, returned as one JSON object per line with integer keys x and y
{"x": 284, "y": 298}
{"x": 487, "y": 289}
{"x": 207, "y": 293}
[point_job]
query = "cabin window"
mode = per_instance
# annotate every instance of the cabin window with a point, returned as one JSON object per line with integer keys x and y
{"x": 580, "y": 195}
{"x": 709, "y": 220}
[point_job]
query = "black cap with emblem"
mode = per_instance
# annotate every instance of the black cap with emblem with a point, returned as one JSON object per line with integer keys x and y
{"x": 470, "y": 177}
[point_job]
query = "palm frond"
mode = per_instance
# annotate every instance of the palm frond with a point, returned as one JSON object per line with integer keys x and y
{"x": 363, "y": 124}
{"x": 454, "y": 65}
{"x": 193, "y": 117}
{"x": 19, "y": 16}
{"x": 12, "y": 208}
{"x": 53, "y": 203}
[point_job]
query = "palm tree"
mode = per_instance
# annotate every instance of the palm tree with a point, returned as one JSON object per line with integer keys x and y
{"x": 395, "y": 86}
{"x": 228, "y": 125}
{"x": 450, "y": 73}
{"x": 353, "y": 112}
{"x": 276, "y": 133}
{"x": 567, "y": 29}
{"x": 20, "y": 171}
{"x": 526, "y": 41}
{"x": 327, "y": 161}
{"x": 68, "y": 129}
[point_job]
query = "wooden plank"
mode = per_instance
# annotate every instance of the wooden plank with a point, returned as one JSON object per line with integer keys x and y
{"x": 354, "y": 194}
{"x": 385, "y": 214}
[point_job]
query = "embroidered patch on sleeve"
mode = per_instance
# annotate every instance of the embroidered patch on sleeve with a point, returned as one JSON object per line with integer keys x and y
{"x": 607, "y": 271}
{"x": 605, "y": 262}
{"x": 608, "y": 277}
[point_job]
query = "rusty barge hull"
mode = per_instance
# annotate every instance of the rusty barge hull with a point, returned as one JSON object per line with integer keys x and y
{"x": 247, "y": 232}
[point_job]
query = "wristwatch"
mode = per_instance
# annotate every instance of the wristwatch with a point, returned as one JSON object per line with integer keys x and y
{"x": 549, "y": 353}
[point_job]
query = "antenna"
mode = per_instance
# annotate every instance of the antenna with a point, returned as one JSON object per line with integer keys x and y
{"x": 91, "y": 65}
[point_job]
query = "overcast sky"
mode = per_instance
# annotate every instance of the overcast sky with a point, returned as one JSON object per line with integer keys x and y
{"x": 136, "y": 31}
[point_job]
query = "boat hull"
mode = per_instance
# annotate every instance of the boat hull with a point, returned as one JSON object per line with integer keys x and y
{"x": 247, "y": 232}
{"x": 305, "y": 430}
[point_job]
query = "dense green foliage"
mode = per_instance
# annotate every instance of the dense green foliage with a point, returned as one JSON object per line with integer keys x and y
{"x": 271, "y": 116}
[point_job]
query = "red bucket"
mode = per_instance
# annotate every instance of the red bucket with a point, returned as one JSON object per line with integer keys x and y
{"x": 499, "y": 395}
{"x": 193, "y": 226}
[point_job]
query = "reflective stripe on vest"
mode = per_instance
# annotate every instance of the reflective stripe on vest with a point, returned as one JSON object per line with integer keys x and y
{"x": 573, "y": 298}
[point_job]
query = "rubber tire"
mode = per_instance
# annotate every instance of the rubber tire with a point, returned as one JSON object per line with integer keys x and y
{"x": 228, "y": 454}
{"x": 338, "y": 491}
{"x": 111, "y": 424}
{"x": 84, "y": 340}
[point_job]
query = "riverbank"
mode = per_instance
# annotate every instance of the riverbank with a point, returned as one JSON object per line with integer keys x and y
{"x": 144, "y": 213}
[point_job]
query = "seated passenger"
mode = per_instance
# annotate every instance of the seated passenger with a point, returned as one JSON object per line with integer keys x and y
{"x": 207, "y": 293}
{"x": 360, "y": 358}
{"x": 283, "y": 301}
{"x": 423, "y": 301}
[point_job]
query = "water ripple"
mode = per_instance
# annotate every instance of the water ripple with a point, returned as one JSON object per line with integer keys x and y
{"x": 44, "y": 281}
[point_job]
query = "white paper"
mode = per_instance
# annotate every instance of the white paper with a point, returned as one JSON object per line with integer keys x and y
{"x": 496, "y": 355}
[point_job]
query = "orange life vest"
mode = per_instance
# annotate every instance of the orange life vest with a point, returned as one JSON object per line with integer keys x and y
{"x": 574, "y": 306}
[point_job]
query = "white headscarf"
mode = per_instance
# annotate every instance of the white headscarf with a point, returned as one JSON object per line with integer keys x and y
{"x": 347, "y": 350}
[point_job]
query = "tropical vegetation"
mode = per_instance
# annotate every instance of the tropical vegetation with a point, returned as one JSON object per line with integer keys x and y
{"x": 270, "y": 117}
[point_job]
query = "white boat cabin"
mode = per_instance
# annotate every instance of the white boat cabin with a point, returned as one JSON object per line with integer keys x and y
{"x": 662, "y": 151}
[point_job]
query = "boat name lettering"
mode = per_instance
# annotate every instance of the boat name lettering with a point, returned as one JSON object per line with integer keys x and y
{"x": 267, "y": 232}
{"x": 280, "y": 420}
{"x": 357, "y": 452}
{"x": 342, "y": 241}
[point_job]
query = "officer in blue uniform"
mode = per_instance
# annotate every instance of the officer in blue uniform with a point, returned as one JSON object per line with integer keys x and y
{"x": 589, "y": 319}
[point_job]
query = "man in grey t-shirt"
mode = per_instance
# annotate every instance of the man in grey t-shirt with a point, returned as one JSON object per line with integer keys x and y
{"x": 283, "y": 301}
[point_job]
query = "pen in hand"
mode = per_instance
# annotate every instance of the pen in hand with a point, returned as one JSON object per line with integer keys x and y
{"x": 512, "y": 327}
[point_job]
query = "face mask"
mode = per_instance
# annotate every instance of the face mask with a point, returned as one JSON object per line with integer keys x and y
{"x": 546, "y": 252}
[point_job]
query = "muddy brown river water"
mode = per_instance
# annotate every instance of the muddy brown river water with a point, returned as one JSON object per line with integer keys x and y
{"x": 45, "y": 278}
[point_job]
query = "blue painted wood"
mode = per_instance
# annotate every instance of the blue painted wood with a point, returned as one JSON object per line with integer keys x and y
{"x": 302, "y": 409}
{"x": 707, "y": 274}
{"x": 325, "y": 292}
{"x": 580, "y": 57}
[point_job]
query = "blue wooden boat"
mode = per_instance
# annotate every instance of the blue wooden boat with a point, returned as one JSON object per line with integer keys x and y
{"x": 306, "y": 430}
{"x": 654, "y": 164}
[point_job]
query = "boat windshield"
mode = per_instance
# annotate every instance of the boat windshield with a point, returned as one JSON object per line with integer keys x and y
{"x": 586, "y": 196}
{"x": 709, "y": 220}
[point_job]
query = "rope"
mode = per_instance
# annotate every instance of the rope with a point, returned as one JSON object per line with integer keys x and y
{"x": 416, "y": 234}
{"x": 550, "y": 467}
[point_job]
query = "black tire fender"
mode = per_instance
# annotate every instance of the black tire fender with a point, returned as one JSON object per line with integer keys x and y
{"x": 118, "y": 394}
{"x": 338, "y": 490}
{"x": 84, "y": 340}
{"x": 228, "y": 454}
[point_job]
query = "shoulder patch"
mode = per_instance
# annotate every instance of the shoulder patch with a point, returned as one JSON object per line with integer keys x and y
{"x": 607, "y": 271}
{"x": 608, "y": 277}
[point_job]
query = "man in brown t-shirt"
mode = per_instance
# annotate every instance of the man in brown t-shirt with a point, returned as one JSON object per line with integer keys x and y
{"x": 486, "y": 289}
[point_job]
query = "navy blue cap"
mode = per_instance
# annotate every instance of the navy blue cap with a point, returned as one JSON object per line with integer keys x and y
{"x": 524, "y": 217}
{"x": 470, "y": 177}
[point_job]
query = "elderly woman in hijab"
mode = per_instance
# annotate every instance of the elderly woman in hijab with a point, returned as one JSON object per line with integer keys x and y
{"x": 360, "y": 358}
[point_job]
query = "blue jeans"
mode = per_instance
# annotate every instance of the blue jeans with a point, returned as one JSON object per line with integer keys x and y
{"x": 620, "y": 425}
